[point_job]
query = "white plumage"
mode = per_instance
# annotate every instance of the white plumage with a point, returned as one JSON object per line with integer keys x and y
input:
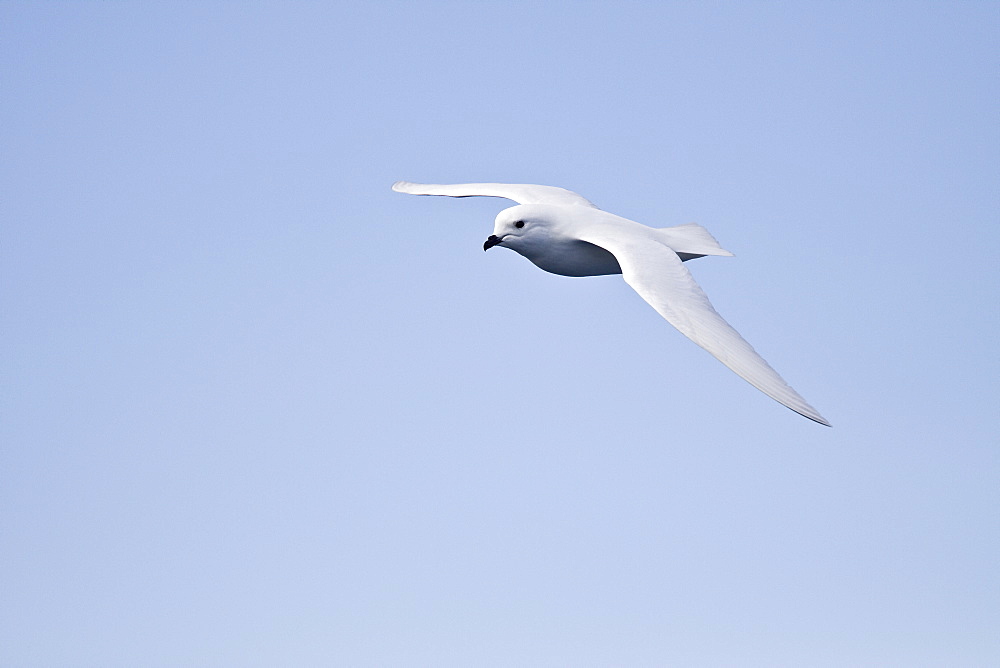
{"x": 563, "y": 233}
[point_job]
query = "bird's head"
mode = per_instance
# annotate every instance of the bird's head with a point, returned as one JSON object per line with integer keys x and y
{"x": 521, "y": 228}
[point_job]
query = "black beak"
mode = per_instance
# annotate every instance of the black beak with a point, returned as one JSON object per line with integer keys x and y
{"x": 492, "y": 241}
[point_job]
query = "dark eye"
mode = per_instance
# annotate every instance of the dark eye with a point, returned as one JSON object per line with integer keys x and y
{"x": 519, "y": 224}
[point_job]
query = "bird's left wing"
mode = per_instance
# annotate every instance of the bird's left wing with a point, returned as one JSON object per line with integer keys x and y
{"x": 657, "y": 274}
{"x": 522, "y": 193}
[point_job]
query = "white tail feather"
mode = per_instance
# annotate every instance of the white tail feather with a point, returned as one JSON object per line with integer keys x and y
{"x": 691, "y": 238}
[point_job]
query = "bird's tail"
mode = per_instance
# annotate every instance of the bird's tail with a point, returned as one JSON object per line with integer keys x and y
{"x": 691, "y": 238}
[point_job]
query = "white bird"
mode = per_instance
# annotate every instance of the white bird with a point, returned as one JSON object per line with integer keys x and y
{"x": 563, "y": 233}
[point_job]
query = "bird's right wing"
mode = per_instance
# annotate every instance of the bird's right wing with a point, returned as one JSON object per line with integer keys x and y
{"x": 657, "y": 274}
{"x": 522, "y": 193}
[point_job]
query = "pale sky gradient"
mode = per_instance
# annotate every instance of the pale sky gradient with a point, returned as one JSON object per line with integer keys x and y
{"x": 260, "y": 410}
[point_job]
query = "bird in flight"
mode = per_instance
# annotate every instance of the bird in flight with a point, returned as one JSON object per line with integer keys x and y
{"x": 563, "y": 233}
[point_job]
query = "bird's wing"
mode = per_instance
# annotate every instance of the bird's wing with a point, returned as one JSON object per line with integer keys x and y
{"x": 657, "y": 274}
{"x": 522, "y": 193}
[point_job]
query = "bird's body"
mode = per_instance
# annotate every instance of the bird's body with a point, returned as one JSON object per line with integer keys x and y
{"x": 563, "y": 233}
{"x": 558, "y": 249}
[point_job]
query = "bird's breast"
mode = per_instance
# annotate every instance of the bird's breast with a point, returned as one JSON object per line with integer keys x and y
{"x": 573, "y": 258}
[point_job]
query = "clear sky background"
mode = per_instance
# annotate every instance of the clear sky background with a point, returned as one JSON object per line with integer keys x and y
{"x": 258, "y": 409}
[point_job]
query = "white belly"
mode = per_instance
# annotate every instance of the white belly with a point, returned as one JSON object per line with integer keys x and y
{"x": 575, "y": 258}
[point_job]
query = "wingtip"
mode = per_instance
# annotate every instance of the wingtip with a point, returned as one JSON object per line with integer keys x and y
{"x": 816, "y": 417}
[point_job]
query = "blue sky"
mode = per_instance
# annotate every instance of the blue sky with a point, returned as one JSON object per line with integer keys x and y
{"x": 258, "y": 409}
